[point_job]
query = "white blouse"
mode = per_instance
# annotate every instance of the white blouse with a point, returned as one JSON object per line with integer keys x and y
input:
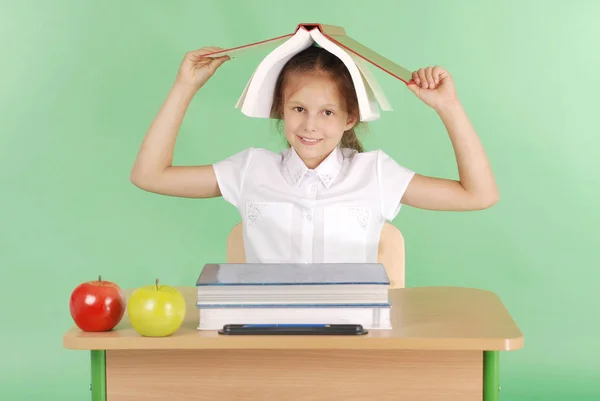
{"x": 332, "y": 214}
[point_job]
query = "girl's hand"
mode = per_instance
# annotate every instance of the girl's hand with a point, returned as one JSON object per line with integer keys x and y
{"x": 196, "y": 69}
{"x": 434, "y": 86}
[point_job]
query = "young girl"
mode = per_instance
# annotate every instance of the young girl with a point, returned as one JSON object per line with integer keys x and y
{"x": 323, "y": 199}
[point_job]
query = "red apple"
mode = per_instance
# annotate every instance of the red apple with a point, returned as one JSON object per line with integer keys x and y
{"x": 97, "y": 305}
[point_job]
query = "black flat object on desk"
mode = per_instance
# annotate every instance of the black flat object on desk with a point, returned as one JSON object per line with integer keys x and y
{"x": 293, "y": 329}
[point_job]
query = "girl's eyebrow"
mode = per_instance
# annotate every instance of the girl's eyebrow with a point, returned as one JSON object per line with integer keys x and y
{"x": 301, "y": 104}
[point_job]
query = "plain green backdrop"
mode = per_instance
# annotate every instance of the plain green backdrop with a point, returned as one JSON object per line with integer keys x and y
{"x": 81, "y": 81}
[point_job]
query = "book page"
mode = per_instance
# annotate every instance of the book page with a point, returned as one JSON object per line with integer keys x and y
{"x": 367, "y": 104}
{"x": 259, "y": 96}
{"x": 373, "y": 57}
{"x": 252, "y": 48}
{"x": 372, "y": 83}
{"x": 242, "y": 98}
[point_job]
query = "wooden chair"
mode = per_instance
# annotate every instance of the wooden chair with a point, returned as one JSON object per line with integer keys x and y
{"x": 391, "y": 251}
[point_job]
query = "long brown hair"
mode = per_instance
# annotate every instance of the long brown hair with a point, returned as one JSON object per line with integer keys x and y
{"x": 318, "y": 60}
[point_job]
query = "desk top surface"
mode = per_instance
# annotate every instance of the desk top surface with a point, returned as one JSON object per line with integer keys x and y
{"x": 423, "y": 318}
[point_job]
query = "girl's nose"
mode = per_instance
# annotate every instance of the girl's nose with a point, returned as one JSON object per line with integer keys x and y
{"x": 310, "y": 125}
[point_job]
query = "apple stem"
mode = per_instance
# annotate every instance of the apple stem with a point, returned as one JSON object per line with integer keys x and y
{"x": 157, "y": 283}
{"x": 99, "y": 278}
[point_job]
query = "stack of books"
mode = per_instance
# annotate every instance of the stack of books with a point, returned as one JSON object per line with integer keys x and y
{"x": 341, "y": 293}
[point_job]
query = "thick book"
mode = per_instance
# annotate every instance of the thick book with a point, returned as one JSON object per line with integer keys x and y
{"x": 293, "y": 295}
{"x": 369, "y": 316}
{"x": 293, "y": 283}
{"x": 264, "y": 274}
{"x": 257, "y": 96}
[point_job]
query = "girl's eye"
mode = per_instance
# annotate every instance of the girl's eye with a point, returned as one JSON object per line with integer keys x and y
{"x": 298, "y": 108}
{"x": 328, "y": 112}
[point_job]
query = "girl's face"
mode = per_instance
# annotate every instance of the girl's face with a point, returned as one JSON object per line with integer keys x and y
{"x": 314, "y": 116}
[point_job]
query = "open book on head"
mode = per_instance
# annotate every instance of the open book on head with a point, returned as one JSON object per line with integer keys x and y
{"x": 257, "y": 96}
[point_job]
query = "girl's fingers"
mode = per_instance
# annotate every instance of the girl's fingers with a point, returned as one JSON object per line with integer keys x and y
{"x": 429, "y": 75}
{"x": 423, "y": 78}
{"x": 217, "y": 61}
{"x": 204, "y": 50}
{"x": 415, "y": 77}
{"x": 437, "y": 74}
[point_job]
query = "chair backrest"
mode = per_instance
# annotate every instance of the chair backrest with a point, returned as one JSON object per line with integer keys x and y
{"x": 390, "y": 253}
{"x": 235, "y": 245}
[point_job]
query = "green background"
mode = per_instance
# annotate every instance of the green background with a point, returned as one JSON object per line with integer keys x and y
{"x": 81, "y": 82}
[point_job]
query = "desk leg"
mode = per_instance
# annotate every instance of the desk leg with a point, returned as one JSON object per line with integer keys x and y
{"x": 98, "y": 387}
{"x": 491, "y": 375}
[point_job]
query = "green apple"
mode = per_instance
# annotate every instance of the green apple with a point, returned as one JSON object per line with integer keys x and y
{"x": 156, "y": 310}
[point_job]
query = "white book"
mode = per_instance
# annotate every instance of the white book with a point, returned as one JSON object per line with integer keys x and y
{"x": 370, "y": 317}
{"x": 257, "y": 97}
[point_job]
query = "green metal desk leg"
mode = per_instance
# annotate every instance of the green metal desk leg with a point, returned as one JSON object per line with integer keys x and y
{"x": 98, "y": 386}
{"x": 491, "y": 375}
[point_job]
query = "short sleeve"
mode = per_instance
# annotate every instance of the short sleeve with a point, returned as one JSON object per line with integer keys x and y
{"x": 393, "y": 180}
{"x": 230, "y": 174}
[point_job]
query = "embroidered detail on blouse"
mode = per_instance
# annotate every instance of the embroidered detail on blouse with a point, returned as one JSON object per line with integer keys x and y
{"x": 362, "y": 216}
{"x": 326, "y": 178}
{"x": 298, "y": 175}
{"x": 253, "y": 211}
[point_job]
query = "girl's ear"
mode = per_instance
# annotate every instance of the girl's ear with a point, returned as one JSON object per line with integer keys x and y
{"x": 350, "y": 122}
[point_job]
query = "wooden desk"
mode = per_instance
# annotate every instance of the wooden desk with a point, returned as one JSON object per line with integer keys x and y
{"x": 444, "y": 346}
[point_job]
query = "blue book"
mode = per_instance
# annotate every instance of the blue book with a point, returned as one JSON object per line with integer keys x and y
{"x": 285, "y": 274}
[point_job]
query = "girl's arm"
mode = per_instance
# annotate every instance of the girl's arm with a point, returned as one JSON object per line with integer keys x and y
{"x": 153, "y": 170}
{"x": 476, "y": 188}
